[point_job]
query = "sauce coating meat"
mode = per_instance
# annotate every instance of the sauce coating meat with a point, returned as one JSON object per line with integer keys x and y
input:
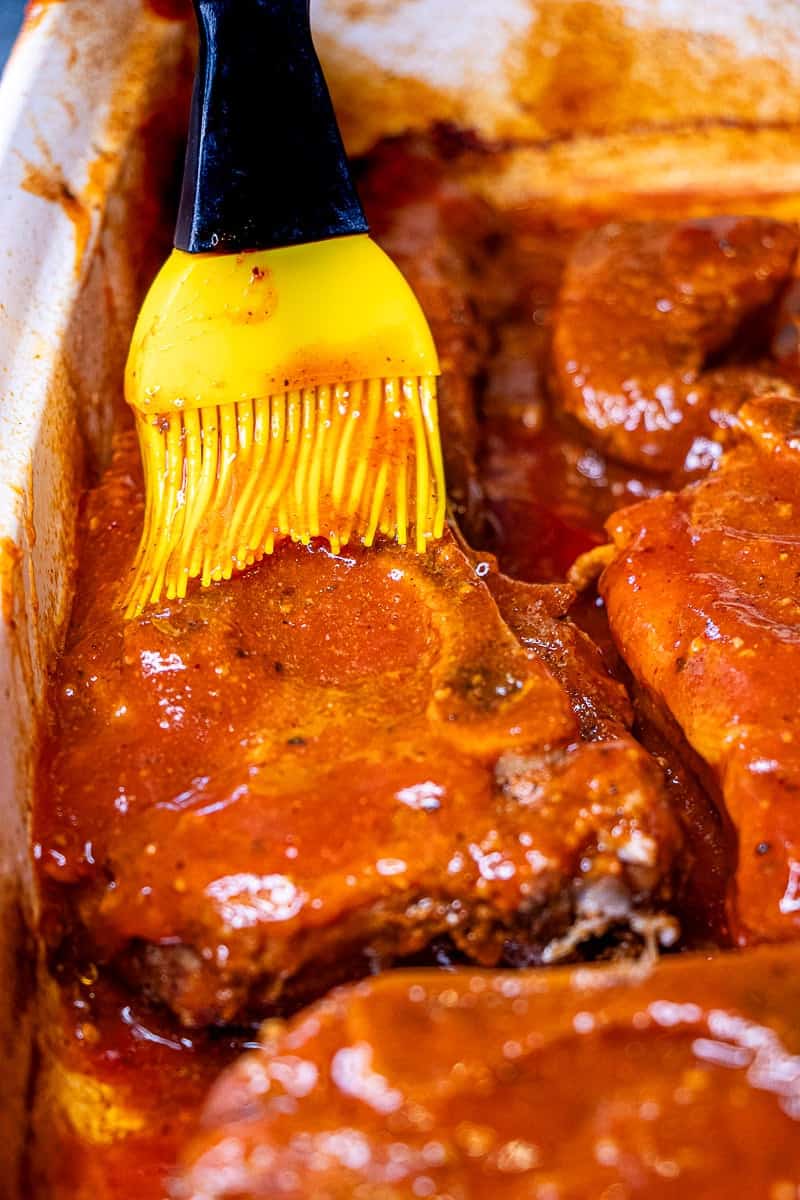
{"x": 684, "y": 1081}
{"x": 642, "y": 308}
{"x": 703, "y": 598}
{"x": 322, "y": 765}
{"x": 337, "y": 763}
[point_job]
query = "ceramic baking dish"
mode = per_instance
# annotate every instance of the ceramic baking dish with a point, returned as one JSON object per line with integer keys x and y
{"x": 687, "y": 107}
{"x": 81, "y": 181}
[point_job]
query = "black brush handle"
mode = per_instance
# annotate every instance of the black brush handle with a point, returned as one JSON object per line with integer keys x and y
{"x": 265, "y": 165}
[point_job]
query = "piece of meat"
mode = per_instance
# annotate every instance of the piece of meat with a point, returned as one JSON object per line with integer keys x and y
{"x": 427, "y": 223}
{"x": 709, "y": 856}
{"x": 703, "y": 598}
{"x": 539, "y": 616}
{"x": 548, "y": 489}
{"x": 321, "y": 766}
{"x": 727, "y": 389}
{"x": 682, "y": 1081}
{"x": 643, "y": 308}
{"x": 549, "y": 483}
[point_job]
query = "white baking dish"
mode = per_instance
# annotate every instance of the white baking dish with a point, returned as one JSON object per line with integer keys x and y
{"x": 81, "y": 85}
{"x": 82, "y": 177}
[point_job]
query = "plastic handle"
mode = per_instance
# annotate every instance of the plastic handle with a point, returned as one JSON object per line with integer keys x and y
{"x": 265, "y": 165}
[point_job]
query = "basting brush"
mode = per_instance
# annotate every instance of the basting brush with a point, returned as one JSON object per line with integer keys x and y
{"x": 281, "y": 372}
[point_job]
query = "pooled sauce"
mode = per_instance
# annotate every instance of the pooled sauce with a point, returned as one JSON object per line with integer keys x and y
{"x": 118, "y": 1091}
{"x": 549, "y": 496}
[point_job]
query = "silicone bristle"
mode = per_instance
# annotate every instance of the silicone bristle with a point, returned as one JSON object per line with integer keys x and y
{"x": 225, "y": 485}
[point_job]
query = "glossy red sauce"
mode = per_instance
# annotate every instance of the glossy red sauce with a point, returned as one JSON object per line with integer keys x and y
{"x": 529, "y": 485}
{"x": 662, "y": 1084}
{"x": 704, "y": 602}
{"x": 119, "y": 1089}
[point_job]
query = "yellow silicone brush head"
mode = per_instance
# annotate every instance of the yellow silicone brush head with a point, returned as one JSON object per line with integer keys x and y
{"x": 280, "y": 394}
